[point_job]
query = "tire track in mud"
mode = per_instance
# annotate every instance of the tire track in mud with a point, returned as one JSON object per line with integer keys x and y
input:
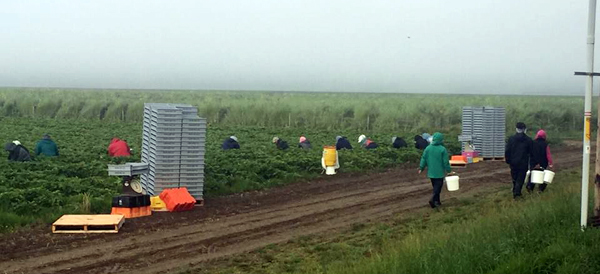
{"x": 274, "y": 216}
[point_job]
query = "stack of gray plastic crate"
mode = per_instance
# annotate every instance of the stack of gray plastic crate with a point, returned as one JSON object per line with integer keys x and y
{"x": 499, "y": 132}
{"x": 173, "y": 146}
{"x": 472, "y": 125}
{"x": 487, "y": 127}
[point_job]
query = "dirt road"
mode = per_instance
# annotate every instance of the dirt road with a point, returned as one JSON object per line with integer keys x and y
{"x": 166, "y": 242}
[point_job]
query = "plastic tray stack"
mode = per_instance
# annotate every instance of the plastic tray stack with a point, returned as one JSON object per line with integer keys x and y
{"x": 487, "y": 126}
{"x": 128, "y": 169}
{"x": 173, "y": 146}
{"x": 472, "y": 125}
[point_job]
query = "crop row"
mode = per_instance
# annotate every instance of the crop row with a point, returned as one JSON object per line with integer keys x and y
{"x": 50, "y": 186}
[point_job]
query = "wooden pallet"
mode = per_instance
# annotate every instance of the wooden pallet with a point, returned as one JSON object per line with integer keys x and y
{"x": 200, "y": 202}
{"x": 458, "y": 164}
{"x": 493, "y": 159}
{"x": 101, "y": 223}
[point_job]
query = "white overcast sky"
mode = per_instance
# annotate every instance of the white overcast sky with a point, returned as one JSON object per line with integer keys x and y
{"x": 459, "y": 46}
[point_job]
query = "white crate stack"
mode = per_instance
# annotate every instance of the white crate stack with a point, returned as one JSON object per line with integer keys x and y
{"x": 173, "y": 145}
{"x": 487, "y": 128}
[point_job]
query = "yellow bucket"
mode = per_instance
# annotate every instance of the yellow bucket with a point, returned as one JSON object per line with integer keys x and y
{"x": 330, "y": 155}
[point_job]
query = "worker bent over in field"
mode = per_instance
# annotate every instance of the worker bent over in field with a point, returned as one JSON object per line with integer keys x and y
{"x": 17, "y": 152}
{"x": 304, "y": 143}
{"x": 118, "y": 148}
{"x": 230, "y": 143}
{"x": 540, "y": 158}
{"x": 420, "y": 143}
{"x": 518, "y": 151}
{"x": 341, "y": 142}
{"x": 398, "y": 142}
{"x": 281, "y": 144}
{"x": 46, "y": 147}
{"x": 366, "y": 142}
{"x": 437, "y": 161}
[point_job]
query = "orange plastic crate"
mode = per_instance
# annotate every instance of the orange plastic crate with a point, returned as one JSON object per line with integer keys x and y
{"x": 177, "y": 199}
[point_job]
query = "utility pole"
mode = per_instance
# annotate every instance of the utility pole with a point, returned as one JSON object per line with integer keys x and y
{"x": 585, "y": 176}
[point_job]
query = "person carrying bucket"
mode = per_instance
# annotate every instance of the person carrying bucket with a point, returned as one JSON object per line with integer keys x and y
{"x": 517, "y": 154}
{"x": 437, "y": 161}
{"x": 540, "y": 157}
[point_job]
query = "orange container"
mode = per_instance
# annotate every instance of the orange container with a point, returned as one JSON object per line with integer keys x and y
{"x": 135, "y": 212}
{"x": 177, "y": 199}
{"x": 146, "y": 211}
{"x": 459, "y": 158}
{"x": 125, "y": 211}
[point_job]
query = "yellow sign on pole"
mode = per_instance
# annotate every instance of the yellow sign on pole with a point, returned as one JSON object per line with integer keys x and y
{"x": 588, "y": 132}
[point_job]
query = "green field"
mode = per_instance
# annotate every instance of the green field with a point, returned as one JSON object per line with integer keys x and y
{"x": 326, "y": 111}
{"x": 82, "y": 122}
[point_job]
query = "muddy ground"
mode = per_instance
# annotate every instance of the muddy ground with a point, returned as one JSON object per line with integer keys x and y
{"x": 165, "y": 242}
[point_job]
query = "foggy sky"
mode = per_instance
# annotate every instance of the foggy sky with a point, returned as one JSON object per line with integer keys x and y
{"x": 461, "y": 46}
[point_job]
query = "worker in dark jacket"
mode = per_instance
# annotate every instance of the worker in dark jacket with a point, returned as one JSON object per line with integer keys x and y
{"x": 304, "y": 143}
{"x": 366, "y": 142}
{"x": 46, "y": 147}
{"x": 420, "y": 143}
{"x": 118, "y": 148}
{"x": 540, "y": 157}
{"x": 281, "y": 144}
{"x": 517, "y": 154}
{"x": 341, "y": 142}
{"x": 398, "y": 142}
{"x": 17, "y": 152}
{"x": 230, "y": 143}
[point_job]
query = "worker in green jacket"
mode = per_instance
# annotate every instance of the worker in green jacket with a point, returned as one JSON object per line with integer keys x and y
{"x": 437, "y": 161}
{"x": 46, "y": 147}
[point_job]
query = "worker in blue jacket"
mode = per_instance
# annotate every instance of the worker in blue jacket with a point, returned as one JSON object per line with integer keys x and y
{"x": 341, "y": 142}
{"x": 230, "y": 143}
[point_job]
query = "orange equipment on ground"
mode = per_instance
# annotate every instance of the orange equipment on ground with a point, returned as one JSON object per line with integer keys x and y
{"x": 177, "y": 199}
{"x": 131, "y": 206}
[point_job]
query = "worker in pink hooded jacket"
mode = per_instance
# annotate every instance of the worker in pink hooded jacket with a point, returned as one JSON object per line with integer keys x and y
{"x": 540, "y": 157}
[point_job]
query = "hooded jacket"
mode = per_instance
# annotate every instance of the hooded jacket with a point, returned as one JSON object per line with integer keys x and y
{"x": 420, "y": 143}
{"x": 518, "y": 151}
{"x": 398, "y": 142}
{"x": 46, "y": 147}
{"x": 118, "y": 148}
{"x": 229, "y": 143}
{"x": 342, "y": 143}
{"x": 435, "y": 158}
{"x": 540, "y": 151}
{"x": 17, "y": 153}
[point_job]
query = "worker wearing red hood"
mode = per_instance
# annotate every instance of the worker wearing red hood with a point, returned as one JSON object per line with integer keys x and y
{"x": 118, "y": 148}
{"x": 540, "y": 157}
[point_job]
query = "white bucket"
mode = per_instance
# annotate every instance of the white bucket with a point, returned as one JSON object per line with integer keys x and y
{"x": 537, "y": 176}
{"x": 548, "y": 176}
{"x": 452, "y": 183}
{"x": 330, "y": 170}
